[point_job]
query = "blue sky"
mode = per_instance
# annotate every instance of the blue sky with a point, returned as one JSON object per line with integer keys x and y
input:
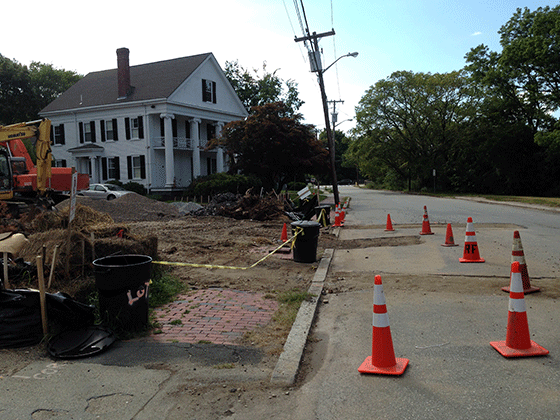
{"x": 416, "y": 35}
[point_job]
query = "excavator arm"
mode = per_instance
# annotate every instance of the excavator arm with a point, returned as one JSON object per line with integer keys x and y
{"x": 41, "y": 130}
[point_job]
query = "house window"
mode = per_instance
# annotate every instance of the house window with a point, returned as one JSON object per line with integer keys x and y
{"x": 208, "y": 91}
{"x": 87, "y": 132}
{"x": 134, "y": 128}
{"x": 110, "y": 168}
{"x": 109, "y": 130}
{"x": 210, "y": 131}
{"x": 59, "y": 163}
{"x": 136, "y": 167}
{"x": 58, "y": 137}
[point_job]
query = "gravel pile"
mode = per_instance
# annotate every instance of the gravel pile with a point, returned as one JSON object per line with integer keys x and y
{"x": 129, "y": 208}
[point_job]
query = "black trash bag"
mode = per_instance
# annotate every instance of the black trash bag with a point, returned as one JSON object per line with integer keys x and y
{"x": 20, "y": 318}
{"x": 67, "y": 312}
{"x": 18, "y": 271}
{"x": 307, "y": 207}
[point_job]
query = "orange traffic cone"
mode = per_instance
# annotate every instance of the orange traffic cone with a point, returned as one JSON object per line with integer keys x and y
{"x": 449, "y": 241}
{"x": 337, "y": 217}
{"x": 389, "y": 224}
{"x": 518, "y": 341}
{"x": 284, "y": 236}
{"x": 382, "y": 359}
{"x": 426, "y": 224}
{"x": 470, "y": 252}
{"x": 342, "y": 213}
{"x": 518, "y": 255}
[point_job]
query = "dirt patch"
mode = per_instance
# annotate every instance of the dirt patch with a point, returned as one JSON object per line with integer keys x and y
{"x": 375, "y": 242}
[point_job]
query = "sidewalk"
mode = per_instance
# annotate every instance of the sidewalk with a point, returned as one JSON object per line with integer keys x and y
{"x": 218, "y": 316}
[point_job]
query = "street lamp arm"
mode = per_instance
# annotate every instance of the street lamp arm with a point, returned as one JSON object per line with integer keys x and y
{"x": 354, "y": 54}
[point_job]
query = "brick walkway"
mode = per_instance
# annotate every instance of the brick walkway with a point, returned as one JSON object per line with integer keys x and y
{"x": 219, "y": 316}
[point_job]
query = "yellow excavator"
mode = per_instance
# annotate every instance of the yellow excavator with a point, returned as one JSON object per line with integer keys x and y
{"x": 20, "y": 177}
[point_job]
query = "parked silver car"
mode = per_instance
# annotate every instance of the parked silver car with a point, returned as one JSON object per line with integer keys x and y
{"x": 104, "y": 191}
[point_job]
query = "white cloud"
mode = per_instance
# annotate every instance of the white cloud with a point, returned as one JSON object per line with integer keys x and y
{"x": 476, "y": 33}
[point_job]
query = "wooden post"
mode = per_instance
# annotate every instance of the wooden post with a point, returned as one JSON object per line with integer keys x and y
{"x": 6, "y": 282}
{"x": 42, "y": 296}
{"x": 53, "y": 263}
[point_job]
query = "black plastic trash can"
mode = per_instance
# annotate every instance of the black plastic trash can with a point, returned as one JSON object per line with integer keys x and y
{"x": 305, "y": 244}
{"x": 323, "y": 214}
{"x": 123, "y": 283}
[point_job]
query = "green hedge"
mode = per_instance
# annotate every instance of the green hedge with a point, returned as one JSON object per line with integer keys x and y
{"x": 221, "y": 183}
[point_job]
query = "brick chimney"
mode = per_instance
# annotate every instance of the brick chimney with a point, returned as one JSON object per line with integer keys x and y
{"x": 123, "y": 70}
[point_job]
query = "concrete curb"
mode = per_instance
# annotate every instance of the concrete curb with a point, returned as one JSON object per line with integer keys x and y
{"x": 288, "y": 363}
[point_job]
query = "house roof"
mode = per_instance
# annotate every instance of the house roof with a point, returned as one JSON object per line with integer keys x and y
{"x": 149, "y": 81}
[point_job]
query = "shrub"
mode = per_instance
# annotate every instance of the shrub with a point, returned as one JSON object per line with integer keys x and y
{"x": 222, "y": 183}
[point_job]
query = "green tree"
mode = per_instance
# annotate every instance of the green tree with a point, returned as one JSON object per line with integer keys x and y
{"x": 16, "y": 93}
{"x": 25, "y": 91}
{"x": 254, "y": 89}
{"x": 521, "y": 86}
{"x": 410, "y": 121}
{"x": 272, "y": 144}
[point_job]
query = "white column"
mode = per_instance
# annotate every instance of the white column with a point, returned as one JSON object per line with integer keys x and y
{"x": 94, "y": 173}
{"x": 220, "y": 151}
{"x": 169, "y": 159}
{"x": 195, "y": 140}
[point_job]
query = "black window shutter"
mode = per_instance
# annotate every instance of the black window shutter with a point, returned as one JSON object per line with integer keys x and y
{"x": 214, "y": 92}
{"x": 104, "y": 168}
{"x": 62, "y": 135}
{"x": 203, "y": 90}
{"x": 81, "y": 127}
{"x": 53, "y": 139}
{"x": 140, "y": 128}
{"x": 64, "y": 163}
{"x": 102, "y": 123}
{"x": 115, "y": 130}
{"x": 117, "y": 168}
{"x": 129, "y": 166}
{"x": 142, "y": 166}
{"x": 127, "y": 127}
{"x": 162, "y": 127}
{"x": 174, "y": 127}
{"x": 92, "y": 125}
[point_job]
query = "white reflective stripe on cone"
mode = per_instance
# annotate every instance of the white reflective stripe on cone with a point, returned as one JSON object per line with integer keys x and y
{"x": 378, "y": 295}
{"x": 381, "y": 320}
{"x": 517, "y": 305}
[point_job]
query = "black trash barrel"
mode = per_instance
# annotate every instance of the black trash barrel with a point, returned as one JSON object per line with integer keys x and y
{"x": 323, "y": 214}
{"x": 123, "y": 284}
{"x": 305, "y": 244}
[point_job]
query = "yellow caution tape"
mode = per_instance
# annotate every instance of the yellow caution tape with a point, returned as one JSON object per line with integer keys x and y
{"x": 227, "y": 267}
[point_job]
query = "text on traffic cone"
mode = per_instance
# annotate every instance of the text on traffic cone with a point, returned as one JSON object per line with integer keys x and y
{"x": 470, "y": 251}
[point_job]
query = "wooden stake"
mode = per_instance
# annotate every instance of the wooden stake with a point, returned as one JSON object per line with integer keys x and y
{"x": 53, "y": 263}
{"x": 6, "y": 282}
{"x": 42, "y": 296}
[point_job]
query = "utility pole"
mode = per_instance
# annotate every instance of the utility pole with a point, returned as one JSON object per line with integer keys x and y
{"x": 316, "y": 67}
{"x": 334, "y": 116}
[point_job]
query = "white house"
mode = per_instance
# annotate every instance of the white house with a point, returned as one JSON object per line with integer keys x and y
{"x": 148, "y": 123}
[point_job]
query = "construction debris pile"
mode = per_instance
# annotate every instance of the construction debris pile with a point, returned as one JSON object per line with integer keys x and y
{"x": 248, "y": 206}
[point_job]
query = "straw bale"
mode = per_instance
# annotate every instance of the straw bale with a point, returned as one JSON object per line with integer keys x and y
{"x": 105, "y": 247}
{"x": 83, "y": 218}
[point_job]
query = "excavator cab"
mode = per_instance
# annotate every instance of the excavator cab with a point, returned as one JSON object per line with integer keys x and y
{"x": 6, "y": 180}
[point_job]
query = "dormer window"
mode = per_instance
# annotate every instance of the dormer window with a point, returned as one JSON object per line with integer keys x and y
{"x": 208, "y": 91}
